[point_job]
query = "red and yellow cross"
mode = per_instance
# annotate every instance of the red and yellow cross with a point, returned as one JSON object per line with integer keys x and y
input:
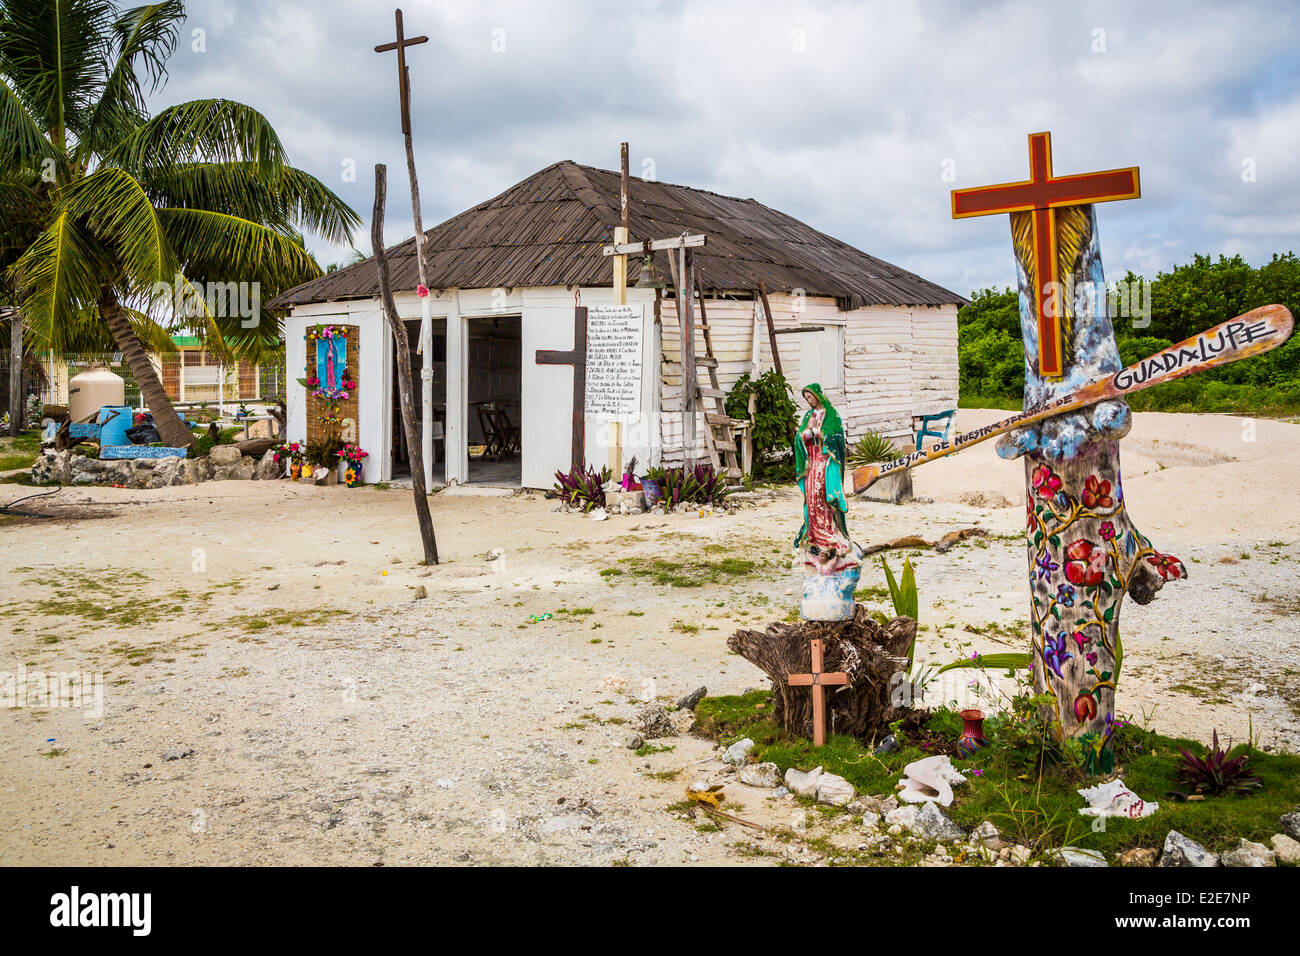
{"x": 1042, "y": 193}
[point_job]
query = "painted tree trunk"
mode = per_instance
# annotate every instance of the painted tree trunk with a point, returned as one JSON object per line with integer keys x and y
{"x": 170, "y": 427}
{"x": 1084, "y": 551}
{"x": 16, "y": 409}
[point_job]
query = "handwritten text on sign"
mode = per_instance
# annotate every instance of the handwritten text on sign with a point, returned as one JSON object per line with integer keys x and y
{"x": 614, "y": 362}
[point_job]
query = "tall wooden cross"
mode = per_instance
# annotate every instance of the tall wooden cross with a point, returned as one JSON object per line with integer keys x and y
{"x": 818, "y": 679}
{"x": 682, "y": 270}
{"x": 577, "y": 357}
{"x": 1041, "y": 194}
{"x": 425, "y": 346}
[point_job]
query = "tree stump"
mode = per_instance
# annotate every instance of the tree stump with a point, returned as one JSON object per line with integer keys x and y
{"x": 870, "y": 653}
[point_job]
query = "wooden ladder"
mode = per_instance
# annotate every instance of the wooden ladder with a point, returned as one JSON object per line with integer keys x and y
{"x": 719, "y": 427}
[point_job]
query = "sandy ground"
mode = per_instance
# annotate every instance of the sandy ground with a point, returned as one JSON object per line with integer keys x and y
{"x": 271, "y": 629}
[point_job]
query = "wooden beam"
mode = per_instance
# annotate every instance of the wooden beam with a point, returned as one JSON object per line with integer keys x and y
{"x": 656, "y": 245}
{"x": 771, "y": 328}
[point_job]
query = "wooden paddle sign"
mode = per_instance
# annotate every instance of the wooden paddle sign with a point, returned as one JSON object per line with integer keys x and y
{"x": 1254, "y": 333}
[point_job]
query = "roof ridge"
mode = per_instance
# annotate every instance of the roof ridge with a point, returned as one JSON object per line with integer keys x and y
{"x": 575, "y": 177}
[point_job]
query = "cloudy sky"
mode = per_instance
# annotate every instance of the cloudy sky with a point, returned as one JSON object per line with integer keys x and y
{"x": 857, "y": 118}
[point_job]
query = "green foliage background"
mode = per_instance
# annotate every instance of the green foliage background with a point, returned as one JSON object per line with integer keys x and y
{"x": 1189, "y": 299}
{"x": 775, "y": 421}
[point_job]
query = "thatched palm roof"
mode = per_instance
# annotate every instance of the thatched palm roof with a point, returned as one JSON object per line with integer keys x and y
{"x": 549, "y": 230}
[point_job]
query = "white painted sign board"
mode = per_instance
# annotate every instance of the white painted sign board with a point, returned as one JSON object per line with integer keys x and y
{"x": 614, "y": 362}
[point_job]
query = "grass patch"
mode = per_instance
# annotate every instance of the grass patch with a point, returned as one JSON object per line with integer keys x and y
{"x": 687, "y": 574}
{"x": 1037, "y": 810}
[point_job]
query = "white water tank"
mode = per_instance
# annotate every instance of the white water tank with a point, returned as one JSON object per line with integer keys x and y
{"x": 92, "y": 389}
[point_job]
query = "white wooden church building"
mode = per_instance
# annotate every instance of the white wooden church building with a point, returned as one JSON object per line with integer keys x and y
{"x": 506, "y": 276}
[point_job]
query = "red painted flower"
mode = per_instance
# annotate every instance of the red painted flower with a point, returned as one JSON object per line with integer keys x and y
{"x": 1096, "y": 493}
{"x": 1085, "y": 708}
{"x": 1085, "y": 563}
{"x": 1170, "y": 568}
{"x": 1080, "y": 638}
{"x": 1046, "y": 482}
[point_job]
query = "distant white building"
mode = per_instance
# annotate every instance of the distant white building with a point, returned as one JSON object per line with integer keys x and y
{"x": 505, "y": 275}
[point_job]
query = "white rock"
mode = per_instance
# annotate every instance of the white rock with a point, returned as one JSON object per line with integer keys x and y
{"x": 1247, "y": 853}
{"x": 803, "y": 784}
{"x": 1074, "y": 856}
{"x": 834, "y": 790}
{"x": 930, "y": 779}
{"x": 1183, "y": 851}
{"x": 1113, "y": 799}
{"x": 870, "y": 820}
{"x": 737, "y": 752}
{"x": 934, "y": 824}
{"x": 1019, "y": 855}
{"x": 902, "y": 816}
{"x": 1286, "y": 849}
{"x": 986, "y": 835}
{"x": 598, "y": 514}
{"x": 764, "y": 775}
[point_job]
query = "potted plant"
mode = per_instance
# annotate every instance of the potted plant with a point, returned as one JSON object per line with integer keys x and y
{"x": 353, "y": 455}
{"x": 293, "y": 453}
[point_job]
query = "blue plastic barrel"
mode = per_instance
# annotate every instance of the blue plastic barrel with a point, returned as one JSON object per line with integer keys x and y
{"x": 114, "y": 420}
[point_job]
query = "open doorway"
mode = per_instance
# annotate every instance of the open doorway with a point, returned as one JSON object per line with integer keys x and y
{"x": 494, "y": 414}
{"x": 401, "y": 456}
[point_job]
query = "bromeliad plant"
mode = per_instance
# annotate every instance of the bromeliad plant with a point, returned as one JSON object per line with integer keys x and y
{"x": 1216, "y": 773}
{"x": 701, "y": 485}
{"x": 582, "y": 487}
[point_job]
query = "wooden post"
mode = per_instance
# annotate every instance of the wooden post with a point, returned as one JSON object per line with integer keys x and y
{"x": 1084, "y": 551}
{"x": 15, "y": 373}
{"x": 771, "y": 328}
{"x": 621, "y": 236}
{"x": 679, "y": 262}
{"x": 425, "y": 347}
{"x": 404, "y": 386}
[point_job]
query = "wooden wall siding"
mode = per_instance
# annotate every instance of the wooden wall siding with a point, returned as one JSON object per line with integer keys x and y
{"x": 316, "y": 407}
{"x": 247, "y": 379}
{"x": 898, "y": 362}
{"x": 171, "y": 376}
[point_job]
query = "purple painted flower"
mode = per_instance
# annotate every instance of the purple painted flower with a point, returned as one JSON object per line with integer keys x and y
{"x": 1046, "y": 565}
{"x": 1055, "y": 654}
{"x": 1092, "y": 658}
{"x": 1065, "y": 595}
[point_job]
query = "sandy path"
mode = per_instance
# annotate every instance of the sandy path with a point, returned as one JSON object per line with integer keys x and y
{"x": 333, "y": 719}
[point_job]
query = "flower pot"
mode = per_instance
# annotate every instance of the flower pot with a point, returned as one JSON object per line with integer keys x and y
{"x": 972, "y": 733}
{"x": 295, "y": 470}
{"x": 829, "y": 597}
{"x": 352, "y": 476}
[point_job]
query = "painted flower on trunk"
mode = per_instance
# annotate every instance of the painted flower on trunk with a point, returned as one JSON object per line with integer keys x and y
{"x": 1096, "y": 493}
{"x": 1080, "y": 638}
{"x": 1046, "y": 565}
{"x": 1065, "y": 595}
{"x": 1046, "y": 482}
{"x": 1055, "y": 654}
{"x": 1085, "y": 563}
{"x": 1085, "y": 708}
{"x": 1170, "y": 568}
{"x": 1106, "y": 530}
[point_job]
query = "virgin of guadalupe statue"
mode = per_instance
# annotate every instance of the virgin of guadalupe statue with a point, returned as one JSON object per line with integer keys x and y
{"x": 819, "y": 452}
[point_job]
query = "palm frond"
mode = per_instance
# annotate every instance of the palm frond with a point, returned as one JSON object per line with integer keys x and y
{"x": 215, "y": 247}
{"x": 54, "y": 54}
{"x": 22, "y": 144}
{"x": 115, "y": 207}
{"x": 282, "y": 197}
{"x": 57, "y": 278}
{"x": 144, "y": 37}
{"x": 213, "y": 130}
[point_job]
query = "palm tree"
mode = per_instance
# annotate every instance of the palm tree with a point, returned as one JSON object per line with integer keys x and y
{"x": 102, "y": 206}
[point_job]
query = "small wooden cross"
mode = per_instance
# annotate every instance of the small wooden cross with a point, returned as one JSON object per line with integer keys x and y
{"x": 817, "y": 680}
{"x": 403, "y": 78}
{"x": 1040, "y": 195}
{"x": 577, "y": 357}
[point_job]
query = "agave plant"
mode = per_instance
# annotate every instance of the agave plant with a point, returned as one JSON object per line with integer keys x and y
{"x": 871, "y": 448}
{"x": 582, "y": 487}
{"x": 103, "y": 205}
{"x": 1216, "y": 772}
